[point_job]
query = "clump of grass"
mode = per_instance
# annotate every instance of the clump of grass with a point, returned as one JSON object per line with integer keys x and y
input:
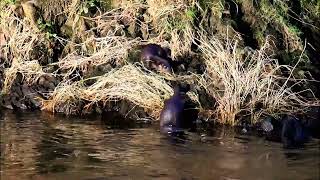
{"x": 110, "y": 49}
{"x": 51, "y": 10}
{"x": 114, "y": 47}
{"x": 311, "y": 9}
{"x": 143, "y": 88}
{"x": 66, "y": 98}
{"x": 252, "y": 86}
{"x": 30, "y": 70}
{"x": 173, "y": 20}
{"x": 113, "y": 21}
{"x": 21, "y": 42}
{"x": 21, "y": 38}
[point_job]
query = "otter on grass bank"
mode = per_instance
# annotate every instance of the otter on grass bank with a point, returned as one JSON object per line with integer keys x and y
{"x": 156, "y": 57}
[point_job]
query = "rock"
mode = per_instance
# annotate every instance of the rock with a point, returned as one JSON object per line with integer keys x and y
{"x": 125, "y": 109}
{"x": 98, "y": 110}
{"x": 23, "y": 106}
{"x": 36, "y": 103}
{"x": 104, "y": 68}
{"x": 206, "y": 101}
{"x": 244, "y": 130}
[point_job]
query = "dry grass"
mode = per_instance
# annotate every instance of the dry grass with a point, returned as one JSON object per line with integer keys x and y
{"x": 21, "y": 37}
{"x": 21, "y": 42}
{"x": 250, "y": 86}
{"x": 173, "y": 19}
{"x": 30, "y": 70}
{"x": 66, "y": 98}
{"x": 141, "y": 87}
{"x": 145, "y": 89}
{"x": 110, "y": 49}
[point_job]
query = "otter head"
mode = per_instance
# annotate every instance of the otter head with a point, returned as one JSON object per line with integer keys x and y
{"x": 165, "y": 68}
{"x": 161, "y": 67}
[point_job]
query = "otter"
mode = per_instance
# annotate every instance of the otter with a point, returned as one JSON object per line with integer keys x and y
{"x": 156, "y": 57}
{"x": 291, "y": 131}
{"x": 178, "y": 113}
{"x": 170, "y": 117}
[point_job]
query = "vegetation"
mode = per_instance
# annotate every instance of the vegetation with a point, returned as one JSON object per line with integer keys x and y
{"x": 91, "y": 47}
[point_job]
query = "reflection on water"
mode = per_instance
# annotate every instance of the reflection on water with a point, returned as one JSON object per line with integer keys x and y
{"x": 40, "y": 146}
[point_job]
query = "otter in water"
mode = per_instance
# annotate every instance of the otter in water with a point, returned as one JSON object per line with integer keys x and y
{"x": 290, "y": 131}
{"x": 156, "y": 57}
{"x": 174, "y": 117}
{"x": 293, "y": 133}
{"x": 170, "y": 117}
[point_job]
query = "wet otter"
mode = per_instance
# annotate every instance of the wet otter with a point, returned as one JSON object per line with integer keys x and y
{"x": 290, "y": 131}
{"x": 170, "y": 117}
{"x": 293, "y": 133}
{"x": 178, "y": 113}
{"x": 156, "y": 57}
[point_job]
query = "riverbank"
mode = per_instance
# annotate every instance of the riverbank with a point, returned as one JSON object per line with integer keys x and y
{"x": 243, "y": 61}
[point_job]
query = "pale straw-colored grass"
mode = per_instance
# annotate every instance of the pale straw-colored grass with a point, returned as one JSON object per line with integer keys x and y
{"x": 141, "y": 87}
{"x": 251, "y": 86}
{"x": 170, "y": 19}
{"x": 21, "y": 42}
{"x": 30, "y": 70}
{"x": 110, "y": 49}
{"x": 65, "y": 98}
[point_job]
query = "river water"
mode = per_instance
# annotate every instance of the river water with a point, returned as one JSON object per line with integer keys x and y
{"x": 37, "y": 145}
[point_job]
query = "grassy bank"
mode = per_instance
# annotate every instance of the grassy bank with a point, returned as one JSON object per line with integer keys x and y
{"x": 242, "y": 60}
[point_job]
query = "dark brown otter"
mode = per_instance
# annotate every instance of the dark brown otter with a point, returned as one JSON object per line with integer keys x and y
{"x": 171, "y": 114}
{"x": 291, "y": 131}
{"x": 156, "y": 57}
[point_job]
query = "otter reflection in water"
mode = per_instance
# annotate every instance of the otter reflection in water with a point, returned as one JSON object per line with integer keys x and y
{"x": 156, "y": 57}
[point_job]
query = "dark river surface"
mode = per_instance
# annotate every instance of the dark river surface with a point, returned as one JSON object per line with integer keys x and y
{"x": 37, "y": 145}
